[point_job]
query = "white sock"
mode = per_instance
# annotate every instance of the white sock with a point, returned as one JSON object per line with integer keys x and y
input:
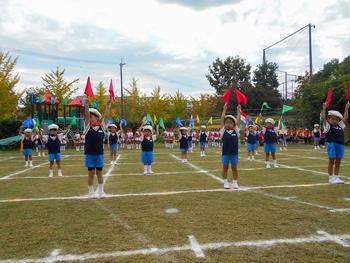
{"x": 30, "y": 162}
{"x": 234, "y": 181}
{"x": 91, "y": 188}
{"x": 59, "y": 171}
{"x": 145, "y": 168}
{"x": 27, "y": 162}
{"x": 51, "y": 171}
{"x": 225, "y": 180}
{"x": 274, "y": 162}
{"x": 100, "y": 188}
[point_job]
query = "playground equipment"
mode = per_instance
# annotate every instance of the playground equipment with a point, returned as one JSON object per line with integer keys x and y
{"x": 9, "y": 142}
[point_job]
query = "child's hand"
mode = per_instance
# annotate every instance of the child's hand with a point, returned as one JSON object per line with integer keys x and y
{"x": 324, "y": 106}
{"x": 239, "y": 107}
{"x": 87, "y": 102}
{"x": 347, "y": 106}
{"x": 225, "y": 106}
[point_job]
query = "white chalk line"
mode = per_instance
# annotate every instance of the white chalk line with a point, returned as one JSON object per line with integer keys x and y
{"x": 198, "y": 249}
{"x": 107, "y": 175}
{"x": 6, "y": 159}
{"x": 199, "y": 169}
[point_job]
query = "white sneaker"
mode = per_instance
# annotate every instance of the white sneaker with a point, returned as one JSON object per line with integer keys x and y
{"x": 150, "y": 171}
{"x": 253, "y": 158}
{"x": 30, "y": 165}
{"x": 39, "y": 154}
{"x": 102, "y": 195}
{"x": 111, "y": 163}
{"x": 268, "y": 165}
{"x": 43, "y": 155}
{"x": 226, "y": 184}
{"x": 335, "y": 180}
{"x": 235, "y": 185}
{"x": 59, "y": 173}
{"x": 185, "y": 160}
{"x": 275, "y": 165}
{"x": 51, "y": 173}
{"x": 315, "y": 148}
{"x": 26, "y": 165}
{"x": 285, "y": 149}
{"x": 281, "y": 149}
{"x": 92, "y": 194}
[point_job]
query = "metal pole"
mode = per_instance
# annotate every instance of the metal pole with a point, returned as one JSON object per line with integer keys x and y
{"x": 310, "y": 50}
{"x": 121, "y": 64}
{"x": 286, "y": 85}
{"x": 264, "y": 57}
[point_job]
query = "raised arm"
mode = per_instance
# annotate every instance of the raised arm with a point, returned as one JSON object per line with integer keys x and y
{"x": 107, "y": 110}
{"x": 323, "y": 114}
{"x": 279, "y": 123}
{"x": 346, "y": 113}
{"x": 238, "y": 118}
{"x": 66, "y": 130}
{"x": 87, "y": 113}
{"x": 222, "y": 121}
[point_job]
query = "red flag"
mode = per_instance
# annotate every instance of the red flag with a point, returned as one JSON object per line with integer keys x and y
{"x": 348, "y": 94}
{"x": 240, "y": 97}
{"x": 329, "y": 98}
{"x": 226, "y": 96}
{"x": 88, "y": 89}
{"x": 111, "y": 91}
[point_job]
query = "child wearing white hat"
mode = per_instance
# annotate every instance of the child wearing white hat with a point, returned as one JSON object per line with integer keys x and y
{"x": 53, "y": 145}
{"x": 28, "y": 143}
{"x": 148, "y": 137}
{"x": 229, "y": 133}
{"x": 95, "y": 128}
{"x": 183, "y": 140}
{"x": 251, "y": 141}
{"x": 113, "y": 140}
{"x": 334, "y": 125}
{"x": 77, "y": 138}
{"x": 203, "y": 135}
{"x": 270, "y": 139}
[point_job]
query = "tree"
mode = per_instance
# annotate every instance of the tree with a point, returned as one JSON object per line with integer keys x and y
{"x": 56, "y": 84}
{"x": 201, "y": 106}
{"x": 232, "y": 71}
{"x": 178, "y": 104}
{"x": 133, "y": 107}
{"x": 158, "y": 104}
{"x": 265, "y": 76}
{"x": 101, "y": 97}
{"x": 8, "y": 81}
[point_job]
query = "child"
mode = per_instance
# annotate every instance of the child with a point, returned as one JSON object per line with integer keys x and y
{"x": 41, "y": 144}
{"x": 257, "y": 131}
{"x": 113, "y": 142}
{"x": 77, "y": 140}
{"x": 316, "y": 136}
{"x": 190, "y": 138}
{"x": 137, "y": 140}
{"x": 282, "y": 139}
{"x": 251, "y": 141}
{"x": 82, "y": 142}
{"x": 64, "y": 142}
{"x": 203, "y": 140}
{"x": 183, "y": 139}
{"x": 53, "y": 144}
{"x": 270, "y": 139}
{"x": 334, "y": 126}
{"x": 27, "y": 141}
{"x": 94, "y": 131}
{"x": 147, "y": 144}
{"x": 229, "y": 134}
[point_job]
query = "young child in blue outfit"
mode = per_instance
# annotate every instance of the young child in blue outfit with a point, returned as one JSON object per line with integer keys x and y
{"x": 183, "y": 139}
{"x": 229, "y": 134}
{"x": 334, "y": 125}
{"x": 147, "y": 145}
{"x": 316, "y": 134}
{"x": 270, "y": 140}
{"x": 203, "y": 140}
{"x": 251, "y": 141}
{"x": 28, "y": 143}
{"x": 94, "y": 131}
{"x": 113, "y": 140}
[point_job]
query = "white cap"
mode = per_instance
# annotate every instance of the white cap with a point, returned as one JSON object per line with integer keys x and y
{"x": 112, "y": 125}
{"x": 251, "y": 125}
{"x": 147, "y": 127}
{"x": 28, "y": 130}
{"x": 270, "y": 120}
{"x": 95, "y": 112}
{"x": 53, "y": 127}
{"x": 231, "y": 117}
{"x": 335, "y": 114}
{"x": 183, "y": 128}
{"x": 316, "y": 125}
{"x": 203, "y": 126}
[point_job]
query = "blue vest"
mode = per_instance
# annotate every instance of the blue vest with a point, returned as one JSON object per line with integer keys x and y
{"x": 189, "y": 138}
{"x": 229, "y": 143}
{"x": 40, "y": 141}
{"x": 335, "y": 134}
{"x": 202, "y": 137}
{"x": 94, "y": 141}
{"x": 270, "y": 136}
{"x": 251, "y": 138}
{"x": 317, "y": 134}
{"x": 183, "y": 142}
{"x": 147, "y": 145}
{"x": 53, "y": 146}
{"x": 113, "y": 139}
{"x": 27, "y": 144}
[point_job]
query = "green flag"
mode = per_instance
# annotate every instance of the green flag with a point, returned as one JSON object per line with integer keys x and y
{"x": 265, "y": 105}
{"x": 161, "y": 123}
{"x": 37, "y": 124}
{"x": 284, "y": 126}
{"x": 286, "y": 108}
{"x": 73, "y": 121}
{"x": 149, "y": 119}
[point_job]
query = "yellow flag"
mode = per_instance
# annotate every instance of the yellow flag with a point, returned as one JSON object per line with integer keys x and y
{"x": 210, "y": 121}
{"x": 155, "y": 118}
{"x": 258, "y": 119}
{"x": 197, "y": 119}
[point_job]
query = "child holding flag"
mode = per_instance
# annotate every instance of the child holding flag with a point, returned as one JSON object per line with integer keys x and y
{"x": 251, "y": 141}
{"x": 94, "y": 131}
{"x": 202, "y": 140}
{"x": 229, "y": 133}
{"x": 270, "y": 140}
{"x": 334, "y": 125}
{"x": 316, "y": 134}
{"x": 183, "y": 140}
{"x": 113, "y": 139}
{"x": 27, "y": 142}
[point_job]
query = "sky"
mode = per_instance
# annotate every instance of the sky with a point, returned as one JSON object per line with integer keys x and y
{"x": 169, "y": 43}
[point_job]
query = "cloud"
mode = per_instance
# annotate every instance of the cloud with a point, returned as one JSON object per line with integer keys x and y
{"x": 201, "y": 4}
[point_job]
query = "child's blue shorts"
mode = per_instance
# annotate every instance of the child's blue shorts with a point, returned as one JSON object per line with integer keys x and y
{"x": 189, "y": 144}
{"x": 251, "y": 147}
{"x": 202, "y": 144}
{"x": 229, "y": 159}
{"x": 27, "y": 152}
{"x": 270, "y": 147}
{"x": 317, "y": 139}
{"x": 335, "y": 150}
{"x": 55, "y": 156}
{"x": 94, "y": 160}
{"x": 184, "y": 150}
{"x": 41, "y": 146}
{"x": 113, "y": 147}
{"x": 147, "y": 157}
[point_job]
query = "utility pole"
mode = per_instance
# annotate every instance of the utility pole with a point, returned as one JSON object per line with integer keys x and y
{"x": 121, "y": 64}
{"x": 286, "y": 85}
{"x": 310, "y": 48}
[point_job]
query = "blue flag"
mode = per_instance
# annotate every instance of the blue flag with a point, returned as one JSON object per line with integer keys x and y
{"x": 192, "y": 121}
{"x": 178, "y": 121}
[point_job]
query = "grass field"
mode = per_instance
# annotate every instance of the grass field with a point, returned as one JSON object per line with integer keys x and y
{"x": 288, "y": 214}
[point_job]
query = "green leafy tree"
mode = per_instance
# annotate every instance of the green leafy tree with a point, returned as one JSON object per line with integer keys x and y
{"x": 8, "y": 81}
{"x": 101, "y": 97}
{"x": 178, "y": 104}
